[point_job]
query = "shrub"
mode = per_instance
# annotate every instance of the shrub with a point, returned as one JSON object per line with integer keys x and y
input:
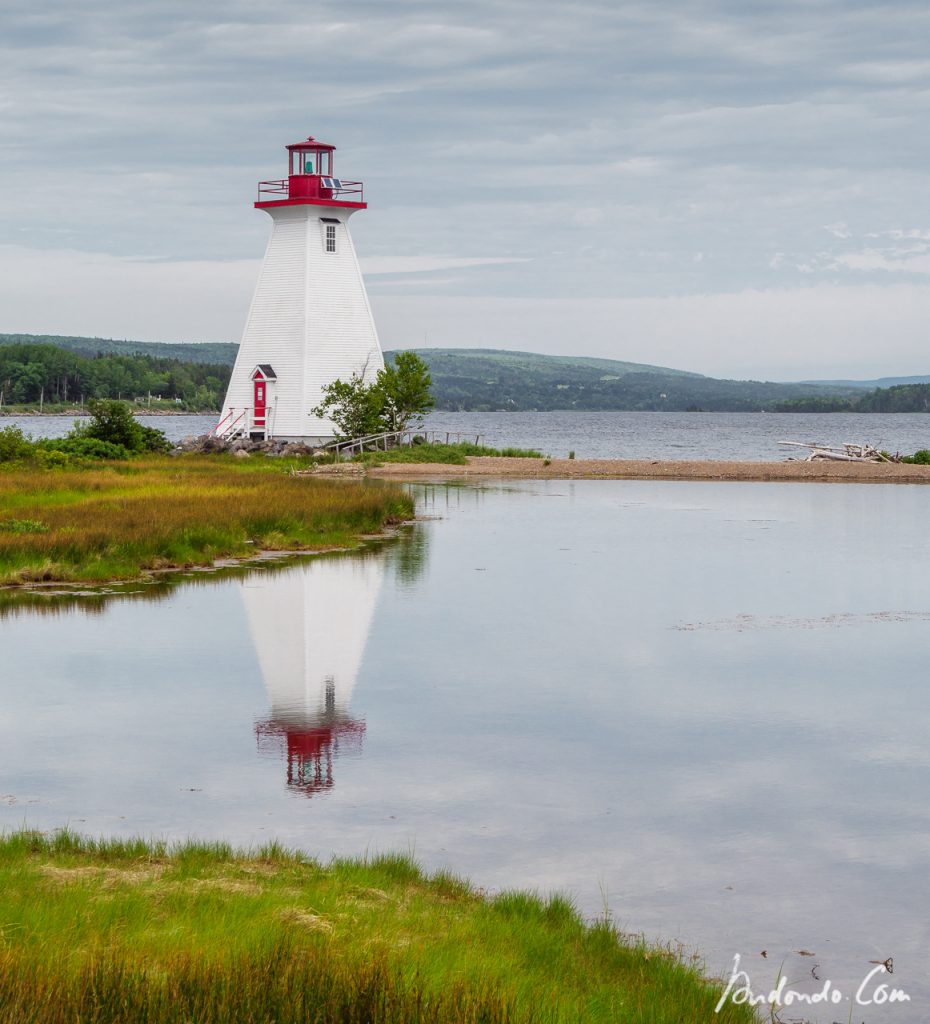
{"x": 110, "y": 421}
{"x": 113, "y": 422}
{"x": 919, "y": 458}
{"x": 111, "y": 434}
{"x": 154, "y": 440}
{"x": 51, "y": 458}
{"x": 14, "y": 445}
{"x": 85, "y": 447}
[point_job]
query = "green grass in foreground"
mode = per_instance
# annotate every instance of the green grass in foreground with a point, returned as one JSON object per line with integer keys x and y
{"x": 449, "y": 454}
{"x": 120, "y": 520}
{"x": 102, "y": 932}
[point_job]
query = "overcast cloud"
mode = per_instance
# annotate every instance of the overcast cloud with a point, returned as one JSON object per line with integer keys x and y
{"x": 731, "y": 188}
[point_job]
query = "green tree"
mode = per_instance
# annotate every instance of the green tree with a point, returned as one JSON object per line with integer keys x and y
{"x": 27, "y": 382}
{"x": 405, "y": 391}
{"x": 29, "y": 372}
{"x": 354, "y": 407}
{"x": 399, "y": 395}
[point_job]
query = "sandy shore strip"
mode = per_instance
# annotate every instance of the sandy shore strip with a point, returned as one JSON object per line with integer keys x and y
{"x": 628, "y": 469}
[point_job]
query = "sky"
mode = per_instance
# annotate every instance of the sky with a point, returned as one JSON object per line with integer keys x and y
{"x": 733, "y": 188}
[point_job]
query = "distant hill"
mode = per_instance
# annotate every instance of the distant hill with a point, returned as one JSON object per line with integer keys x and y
{"x": 899, "y": 398}
{"x": 879, "y": 382}
{"x": 488, "y": 379}
{"x": 477, "y": 359}
{"x": 185, "y": 352}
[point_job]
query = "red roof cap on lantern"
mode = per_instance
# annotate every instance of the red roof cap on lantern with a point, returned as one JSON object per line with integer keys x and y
{"x": 310, "y": 143}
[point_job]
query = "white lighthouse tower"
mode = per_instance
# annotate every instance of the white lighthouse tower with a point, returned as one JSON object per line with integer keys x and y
{"x": 310, "y": 626}
{"x": 310, "y": 322}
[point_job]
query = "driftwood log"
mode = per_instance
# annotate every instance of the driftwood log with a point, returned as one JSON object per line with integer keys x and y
{"x": 846, "y": 453}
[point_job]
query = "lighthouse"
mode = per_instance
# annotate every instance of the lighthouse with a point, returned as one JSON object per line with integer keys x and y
{"x": 310, "y": 627}
{"x": 310, "y": 322}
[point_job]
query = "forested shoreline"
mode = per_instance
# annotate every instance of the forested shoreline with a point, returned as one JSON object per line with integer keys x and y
{"x": 900, "y": 398}
{"x": 52, "y": 378}
{"x": 60, "y": 374}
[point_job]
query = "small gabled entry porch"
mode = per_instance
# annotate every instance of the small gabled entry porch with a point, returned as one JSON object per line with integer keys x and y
{"x": 263, "y": 380}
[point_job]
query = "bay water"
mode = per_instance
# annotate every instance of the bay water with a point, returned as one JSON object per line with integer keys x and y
{"x": 620, "y": 435}
{"x": 698, "y": 707}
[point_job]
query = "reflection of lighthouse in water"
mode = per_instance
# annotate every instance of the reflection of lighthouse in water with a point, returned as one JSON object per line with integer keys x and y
{"x": 310, "y": 624}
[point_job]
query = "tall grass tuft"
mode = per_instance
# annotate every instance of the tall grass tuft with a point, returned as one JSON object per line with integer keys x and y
{"x": 101, "y": 932}
{"x": 123, "y": 520}
{"x": 283, "y": 985}
{"x": 447, "y": 454}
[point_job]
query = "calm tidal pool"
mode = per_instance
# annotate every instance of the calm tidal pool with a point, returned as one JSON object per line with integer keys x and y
{"x": 701, "y": 705}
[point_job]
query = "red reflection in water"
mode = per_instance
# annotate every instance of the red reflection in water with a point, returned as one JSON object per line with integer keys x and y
{"x": 310, "y": 748}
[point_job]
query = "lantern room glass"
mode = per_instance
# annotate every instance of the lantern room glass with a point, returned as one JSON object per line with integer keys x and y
{"x": 312, "y": 161}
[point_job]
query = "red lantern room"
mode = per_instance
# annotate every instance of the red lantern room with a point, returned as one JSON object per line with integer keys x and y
{"x": 310, "y": 180}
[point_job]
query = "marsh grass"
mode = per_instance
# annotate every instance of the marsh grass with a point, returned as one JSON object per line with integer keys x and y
{"x": 121, "y": 520}
{"x": 103, "y": 932}
{"x": 448, "y": 454}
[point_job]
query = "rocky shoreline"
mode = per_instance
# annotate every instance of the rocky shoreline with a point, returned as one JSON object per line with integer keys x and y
{"x": 243, "y": 447}
{"x": 820, "y": 471}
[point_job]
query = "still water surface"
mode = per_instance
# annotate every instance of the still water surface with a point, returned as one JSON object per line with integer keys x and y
{"x": 621, "y": 435}
{"x": 704, "y": 704}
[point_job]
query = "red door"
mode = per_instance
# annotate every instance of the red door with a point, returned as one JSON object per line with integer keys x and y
{"x": 259, "y": 403}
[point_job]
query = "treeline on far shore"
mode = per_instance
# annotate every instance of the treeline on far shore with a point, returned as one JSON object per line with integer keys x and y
{"x": 900, "y": 398}
{"x": 46, "y": 376}
{"x": 59, "y": 374}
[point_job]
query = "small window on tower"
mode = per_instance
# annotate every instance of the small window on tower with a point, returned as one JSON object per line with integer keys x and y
{"x": 330, "y": 237}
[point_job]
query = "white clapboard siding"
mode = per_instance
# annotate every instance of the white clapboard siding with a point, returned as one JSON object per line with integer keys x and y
{"x": 310, "y": 321}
